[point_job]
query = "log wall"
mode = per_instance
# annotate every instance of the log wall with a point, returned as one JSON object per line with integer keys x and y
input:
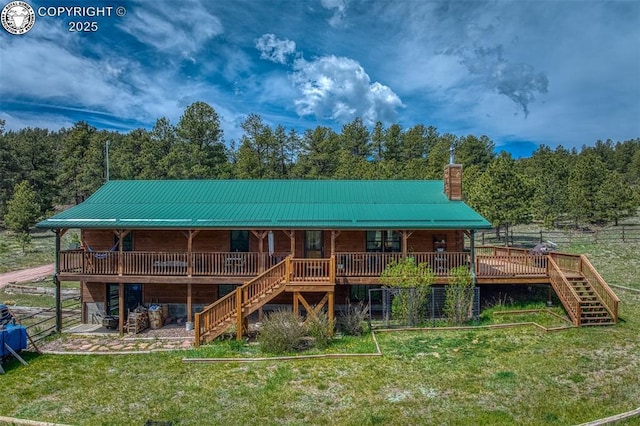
{"x": 220, "y": 241}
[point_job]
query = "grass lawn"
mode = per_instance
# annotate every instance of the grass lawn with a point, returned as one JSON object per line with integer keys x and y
{"x": 483, "y": 376}
{"x": 507, "y": 376}
{"x": 40, "y": 252}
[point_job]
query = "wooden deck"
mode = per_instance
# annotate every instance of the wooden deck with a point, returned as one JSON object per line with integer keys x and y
{"x": 512, "y": 266}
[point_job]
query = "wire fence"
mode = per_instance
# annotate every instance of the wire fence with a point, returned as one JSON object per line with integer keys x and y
{"x": 418, "y": 310}
{"x": 622, "y": 233}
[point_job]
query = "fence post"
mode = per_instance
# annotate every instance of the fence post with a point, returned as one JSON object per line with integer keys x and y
{"x": 541, "y": 235}
{"x": 623, "y": 233}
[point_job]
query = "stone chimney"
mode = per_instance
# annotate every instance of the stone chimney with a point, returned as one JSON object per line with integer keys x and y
{"x": 453, "y": 179}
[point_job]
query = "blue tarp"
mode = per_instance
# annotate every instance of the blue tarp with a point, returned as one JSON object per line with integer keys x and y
{"x": 15, "y": 336}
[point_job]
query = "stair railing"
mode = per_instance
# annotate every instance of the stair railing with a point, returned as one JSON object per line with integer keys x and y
{"x": 608, "y": 298}
{"x": 231, "y": 304}
{"x": 567, "y": 294}
{"x": 213, "y": 315}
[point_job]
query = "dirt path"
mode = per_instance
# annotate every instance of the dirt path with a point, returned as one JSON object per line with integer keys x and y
{"x": 26, "y": 275}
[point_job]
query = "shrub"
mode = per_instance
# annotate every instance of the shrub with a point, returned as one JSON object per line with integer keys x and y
{"x": 411, "y": 281}
{"x": 352, "y": 317}
{"x": 458, "y": 304}
{"x": 281, "y": 332}
{"x": 320, "y": 329}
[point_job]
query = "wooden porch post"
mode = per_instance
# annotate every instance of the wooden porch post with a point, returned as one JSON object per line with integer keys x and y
{"x": 190, "y": 238}
{"x": 296, "y": 308}
{"x": 121, "y": 308}
{"x": 260, "y": 236}
{"x": 331, "y": 307}
{"x": 293, "y": 243}
{"x": 333, "y": 242}
{"x": 120, "y": 236}
{"x": 292, "y": 238}
{"x": 189, "y": 303}
{"x": 56, "y": 271}
{"x": 472, "y": 242}
{"x": 405, "y": 243}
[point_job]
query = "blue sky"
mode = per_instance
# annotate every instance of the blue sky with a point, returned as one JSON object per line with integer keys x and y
{"x": 523, "y": 73}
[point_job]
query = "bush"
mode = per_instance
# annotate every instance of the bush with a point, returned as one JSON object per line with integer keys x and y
{"x": 320, "y": 329}
{"x": 281, "y": 332}
{"x": 352, "y": 317}
{"x": 458, "y": 304}
{"x": 411, "y": 282}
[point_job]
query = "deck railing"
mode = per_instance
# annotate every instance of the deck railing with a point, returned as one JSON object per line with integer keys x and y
{"x": 568, "y": 296}
{"x": 166, "y": 263}
{"x": 490, "y": 262}
{"x": 599, "y": 285}
{"x": 566, "y": 262}
{"x": 372, "y": 264}
{"x": 214, "y": 315}
{"x": 265, "y": 281}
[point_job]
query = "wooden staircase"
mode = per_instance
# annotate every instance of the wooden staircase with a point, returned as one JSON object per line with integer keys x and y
{"x": 238, "y": 305}
{"x": 592, "y": 310}
{"x": 586, "y": 297}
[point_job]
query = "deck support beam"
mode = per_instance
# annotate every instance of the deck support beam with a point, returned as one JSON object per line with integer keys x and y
{"x": 121, "y": 308}
{"x": 190, "y": 236}
{"x": 260, "y": 236}
{"x": 292, "y": 238}
{"x": 334, "y": 235}
{"x": 405, "y": 242}
{"x": 120, "y": 234}
{"x": 56, "y": 271}
{"x": 472, "y": 242}
{"x": 189, "y": 303}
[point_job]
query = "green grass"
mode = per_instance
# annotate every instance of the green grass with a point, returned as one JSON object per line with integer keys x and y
{"x": 485, "y": 376}
{"x": 507, "y": 376}
{"x": 41, "y": 251}
{"x": 618, "y": 263}
{"x": 39, "y": 300}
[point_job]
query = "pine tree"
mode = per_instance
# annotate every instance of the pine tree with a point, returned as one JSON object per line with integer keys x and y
{"x": 23, "y": 208}
{"x": 502, "y": 194}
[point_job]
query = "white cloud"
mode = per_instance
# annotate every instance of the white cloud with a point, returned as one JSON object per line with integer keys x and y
{"x": 339, "y": 8}
{"x": 172, "y": 29}
{"x": 340, "y": 89}
{"x": 274, "y": 49}
{"x": 15, "y": 121}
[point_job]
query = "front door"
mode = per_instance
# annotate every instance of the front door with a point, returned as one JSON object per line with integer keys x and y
{"x": 313, "y": 244}
{"x": 132, "y": 298}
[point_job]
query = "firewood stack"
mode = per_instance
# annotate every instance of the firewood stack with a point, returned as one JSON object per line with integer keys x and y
{"x": 138, "y": 320}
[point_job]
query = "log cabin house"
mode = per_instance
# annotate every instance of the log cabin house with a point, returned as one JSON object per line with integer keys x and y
{"x": 216, "y": 251}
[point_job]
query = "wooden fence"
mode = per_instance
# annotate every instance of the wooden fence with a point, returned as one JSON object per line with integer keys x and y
{"x": 622, "y": 233}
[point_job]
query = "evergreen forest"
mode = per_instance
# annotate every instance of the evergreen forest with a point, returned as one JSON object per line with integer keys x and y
{"x": 41, "y": 170}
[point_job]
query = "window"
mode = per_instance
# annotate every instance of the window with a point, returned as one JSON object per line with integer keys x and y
{"x": 360, "y": 293}
{"x": 239, "y": 241}
{"x": 313, "y": 244}
{"x": 224, "y": 289}
{"x": 127, "y": 242}
{"x": 383, "y": 241}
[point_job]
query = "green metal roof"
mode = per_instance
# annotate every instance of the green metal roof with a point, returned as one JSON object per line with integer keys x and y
{"x": 270, "y": 204}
